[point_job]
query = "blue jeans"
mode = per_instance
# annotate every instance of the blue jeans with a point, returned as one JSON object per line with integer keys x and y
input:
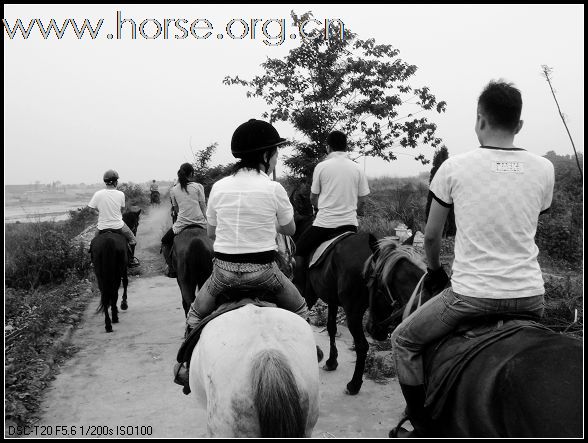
{"x": 441, "y": 315}
{"x": 270, "y": 278}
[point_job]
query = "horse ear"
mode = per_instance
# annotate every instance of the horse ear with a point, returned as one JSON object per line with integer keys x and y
{"x": 139, "y": 211}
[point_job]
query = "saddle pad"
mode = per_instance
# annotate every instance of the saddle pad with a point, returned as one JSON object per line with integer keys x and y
{"x": 323, "y": 247}
{"x": 185, "y": 351}
{"x": 446, "y": 359}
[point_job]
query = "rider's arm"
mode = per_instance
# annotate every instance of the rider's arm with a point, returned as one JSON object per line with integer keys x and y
{"x": 433, "y": 232}
{"x": 287, "y": 229}
{"x": 361, "y": 204}
{"x": 314, "y": 200}
{"x": 211, "y": 231}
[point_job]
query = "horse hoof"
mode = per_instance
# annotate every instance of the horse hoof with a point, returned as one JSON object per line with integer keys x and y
{"x": 124, "y": 306}
{"x": 352, "y": 390}
{"x": 109, "y": 329}
{"x": 330, "y": 367}
{"x": 319, "y": 353}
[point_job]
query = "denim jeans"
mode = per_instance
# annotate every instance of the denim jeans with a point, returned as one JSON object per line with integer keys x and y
{"x": 283, "y": 291}
{"x": 441, "y": 315}
{"x": 126, "y": 231}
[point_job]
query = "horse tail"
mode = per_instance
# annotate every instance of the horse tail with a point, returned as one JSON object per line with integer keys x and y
{"x": 108, "y": 272}
{"x": 276, "y": 397}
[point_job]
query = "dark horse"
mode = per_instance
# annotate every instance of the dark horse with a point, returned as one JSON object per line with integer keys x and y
{"x": 192, "y": 259}
{"x": 527, "y": 383}
{"x": 109, "y": 258}
{"x": 338, "y": 282}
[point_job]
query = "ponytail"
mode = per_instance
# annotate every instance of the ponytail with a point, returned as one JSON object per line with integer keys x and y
{"x": 184, "y": 174}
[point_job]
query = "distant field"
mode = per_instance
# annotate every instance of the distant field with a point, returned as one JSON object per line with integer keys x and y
{"x": 22, "y": 204}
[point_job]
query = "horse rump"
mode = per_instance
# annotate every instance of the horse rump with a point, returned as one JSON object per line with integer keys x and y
{"x": 276, "y": 397}
{"x": 109, "y": 259}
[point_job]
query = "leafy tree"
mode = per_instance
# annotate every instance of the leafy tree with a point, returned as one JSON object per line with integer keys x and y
{"x": 560, "y": 231}
{"x": 204, "y": 173}
{"x": 349, "y": 84}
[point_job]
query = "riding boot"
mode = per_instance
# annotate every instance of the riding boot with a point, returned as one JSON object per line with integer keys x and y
{"x": 171, "y": 272}
{"x": 415, "y": 411}
{"x": 182, "y": 370}
{"x": 133, "y": 262}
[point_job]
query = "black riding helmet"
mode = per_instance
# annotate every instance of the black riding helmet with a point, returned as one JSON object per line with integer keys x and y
{"x": 110, "y": 176}
{"x": 255, "y": 135}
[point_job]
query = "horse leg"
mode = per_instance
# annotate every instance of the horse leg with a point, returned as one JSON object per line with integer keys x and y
{"x": 331, "y": 364}
{"x": 361, "y": 350}
{"x": 114, "y": 313}
{"x": 125, "y": 282}
{"x": 108, "y": 323}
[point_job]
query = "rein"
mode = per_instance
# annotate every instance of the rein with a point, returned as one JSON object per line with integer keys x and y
{"x": 377, "y": 270}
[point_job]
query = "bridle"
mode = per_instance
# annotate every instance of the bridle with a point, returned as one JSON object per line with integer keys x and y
{"x": 373, "y": 286}
{"x": 377, "y": 269}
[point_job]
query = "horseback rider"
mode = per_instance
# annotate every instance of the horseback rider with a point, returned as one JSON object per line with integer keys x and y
{"x": 339, "y": 189}
{"x": 110, "y": 204}
{"x": 189, "y": 202}
{"x": 498, "y": 192}
{"x": 154, "y": 188}
{"x": 245, "y": 212}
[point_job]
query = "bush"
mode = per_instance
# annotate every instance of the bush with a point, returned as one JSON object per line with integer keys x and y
{"x": 135, "y": 195}
{"x": 557, "y": 238}
{"x": 40, "y": 253}
{"x": 79, "y": 219}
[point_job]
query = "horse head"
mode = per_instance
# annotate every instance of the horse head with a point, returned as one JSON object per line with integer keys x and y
{"x": 131, "y": 218}
{"x": 391, "y": 276}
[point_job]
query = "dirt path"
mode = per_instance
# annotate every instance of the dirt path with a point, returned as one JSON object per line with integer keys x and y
{"x": 124, "y": 378}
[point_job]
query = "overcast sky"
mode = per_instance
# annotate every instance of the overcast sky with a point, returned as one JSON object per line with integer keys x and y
{"x": 76, "y": 107}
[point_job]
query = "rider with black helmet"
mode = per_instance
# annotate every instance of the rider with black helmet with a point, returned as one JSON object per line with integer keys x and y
{"x": 110, "y": 204}
{"x": 245, "y": 212}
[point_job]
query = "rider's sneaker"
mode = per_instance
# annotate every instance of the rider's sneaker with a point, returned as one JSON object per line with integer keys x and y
{"x": 133, "y": 263}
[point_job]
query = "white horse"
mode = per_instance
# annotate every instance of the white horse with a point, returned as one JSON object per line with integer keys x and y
{"x": 255, "y": 370}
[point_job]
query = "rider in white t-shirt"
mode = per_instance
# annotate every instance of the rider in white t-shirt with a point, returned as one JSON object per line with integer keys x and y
{"x": 497, "y": 192}
{"x": 110, "y": 204}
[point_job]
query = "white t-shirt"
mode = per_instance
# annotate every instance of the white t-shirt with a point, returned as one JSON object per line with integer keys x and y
{"x": 109, "y": 203}
{"x": 245, "y": 208}
{"x": 188, "y": 203}
{"x": 338, "y": 181}
{"x": 497, "y": 196}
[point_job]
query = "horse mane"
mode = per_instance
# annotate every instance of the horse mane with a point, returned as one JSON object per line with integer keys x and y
{"x": 279, "y": 415}
{"x": 390, "y": 253}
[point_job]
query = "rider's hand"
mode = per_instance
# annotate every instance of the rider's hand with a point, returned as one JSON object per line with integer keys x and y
{"x": 188, "y": 330}
{"x": 436, "y": 280}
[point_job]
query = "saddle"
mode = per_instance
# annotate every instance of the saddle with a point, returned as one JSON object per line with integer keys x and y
{"x": 317, "y": 257}
{"x": 445, "y": 360}
{"x": 185, "y": 351}
{"x": 115, "y": 231}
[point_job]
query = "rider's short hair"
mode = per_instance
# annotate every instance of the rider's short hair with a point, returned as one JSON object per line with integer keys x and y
{"x": 501, "y": 103}
{"x": 337, "y": 141}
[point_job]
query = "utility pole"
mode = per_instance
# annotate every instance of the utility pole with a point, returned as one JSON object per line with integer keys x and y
{"x": 546, "y": 73}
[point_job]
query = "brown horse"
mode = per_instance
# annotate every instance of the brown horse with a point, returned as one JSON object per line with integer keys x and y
{"x": 524, "y": 383}
{"x": 338, "y": 282}
{"x": 192, "y": 259}
{"x": 109, "y": 258}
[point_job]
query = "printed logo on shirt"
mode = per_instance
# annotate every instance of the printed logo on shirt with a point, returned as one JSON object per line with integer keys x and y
{"x": 511, "y": 166}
